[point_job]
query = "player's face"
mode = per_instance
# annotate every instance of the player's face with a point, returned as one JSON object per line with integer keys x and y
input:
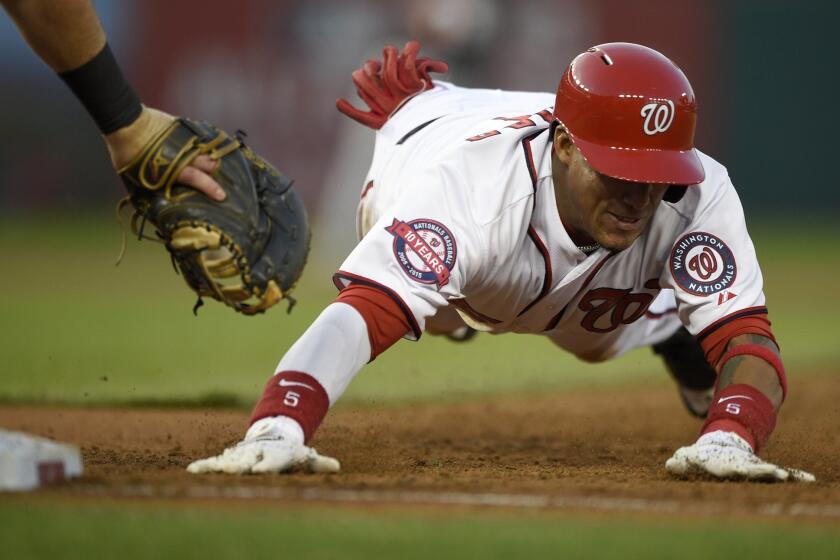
{"x": 610, "y": 211}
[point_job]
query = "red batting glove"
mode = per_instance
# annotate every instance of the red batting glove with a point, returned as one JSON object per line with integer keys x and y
{"x": 386, "y": 86}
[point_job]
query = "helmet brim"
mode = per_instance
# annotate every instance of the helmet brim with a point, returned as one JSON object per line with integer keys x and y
{"x": 673, "y": 167}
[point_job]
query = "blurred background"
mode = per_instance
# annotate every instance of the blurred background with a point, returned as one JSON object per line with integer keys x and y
{"x": 76, "y": 330}
{"x": 763, "y": 73}
{"x": 762, "y": 70}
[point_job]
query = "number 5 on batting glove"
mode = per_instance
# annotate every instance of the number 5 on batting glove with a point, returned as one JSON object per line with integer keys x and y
{"x": 271, "y": 445}
{"x": 728, "y": 455}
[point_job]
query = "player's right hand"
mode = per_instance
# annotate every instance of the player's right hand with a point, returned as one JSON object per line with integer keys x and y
{"x": 727, "y": 455}
{"x": 125, "y": 143}
{"x": 265, "y": 450}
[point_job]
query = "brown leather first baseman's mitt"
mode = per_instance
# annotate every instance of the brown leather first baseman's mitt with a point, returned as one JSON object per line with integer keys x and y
{"x": 247, "y": 251}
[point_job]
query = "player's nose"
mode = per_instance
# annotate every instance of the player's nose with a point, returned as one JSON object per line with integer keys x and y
{"x": 636, "y": 195}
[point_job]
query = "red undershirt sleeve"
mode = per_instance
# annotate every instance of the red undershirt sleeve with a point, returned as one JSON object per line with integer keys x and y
{"x": 386, "y": 322}
{"x": 714, "y": 342}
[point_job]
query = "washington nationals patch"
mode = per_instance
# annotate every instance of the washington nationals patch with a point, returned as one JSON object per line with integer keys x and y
{"x": 702, "y": 264}
{"x": 425, "y": 250}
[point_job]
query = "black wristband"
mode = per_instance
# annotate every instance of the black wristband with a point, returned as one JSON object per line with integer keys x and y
{"x": 101, "y": 87}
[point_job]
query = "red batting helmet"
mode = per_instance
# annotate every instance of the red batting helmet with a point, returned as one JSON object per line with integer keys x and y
{"x": 632, "y": 113}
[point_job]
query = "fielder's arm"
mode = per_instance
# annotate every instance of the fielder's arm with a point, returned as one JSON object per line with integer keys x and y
{"x": 69, "y": 38}
{"x": 63, "y": 34}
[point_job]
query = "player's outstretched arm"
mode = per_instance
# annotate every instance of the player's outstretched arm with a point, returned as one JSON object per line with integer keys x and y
{"x": 311, "y": 377}
{"x": 313, "y": 374}
{"x": 751, "y": 388}
{"x": 69, "y": 38}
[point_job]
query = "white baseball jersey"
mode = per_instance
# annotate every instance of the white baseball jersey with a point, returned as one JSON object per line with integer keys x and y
{"x": 459, "y": 212}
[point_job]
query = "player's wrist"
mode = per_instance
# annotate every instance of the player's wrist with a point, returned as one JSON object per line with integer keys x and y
{"x": 125, "y": 144}
{"x": 107, "y": 96}
{"x": 276, "y": 427}
{"x": 295, "y": 395}
{"x": 743, "y": 410}
{"x": 725, "y": 436}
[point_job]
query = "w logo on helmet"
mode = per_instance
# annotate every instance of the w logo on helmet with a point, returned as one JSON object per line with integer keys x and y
{"x": 658, "y": 116}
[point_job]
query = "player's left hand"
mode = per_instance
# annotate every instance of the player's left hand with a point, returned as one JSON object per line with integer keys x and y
{"x": 727, "y": 455}
{"x": 125, "y": 143}
{"x": 265, "y": 449}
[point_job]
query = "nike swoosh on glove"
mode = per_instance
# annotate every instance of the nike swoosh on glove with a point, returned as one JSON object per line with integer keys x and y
{"x": 728, "y": 455}
{"x": 267, "y": 448}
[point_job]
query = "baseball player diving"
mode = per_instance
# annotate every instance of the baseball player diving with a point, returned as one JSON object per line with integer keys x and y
{"x": 587, "y": 216}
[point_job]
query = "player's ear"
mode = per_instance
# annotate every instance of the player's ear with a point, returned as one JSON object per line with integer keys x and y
{"x": 563, "y": 145}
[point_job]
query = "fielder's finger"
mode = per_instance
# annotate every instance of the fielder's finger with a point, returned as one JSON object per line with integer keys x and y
{"x": 202, "y": 182}
{"x": 205, "y": 163}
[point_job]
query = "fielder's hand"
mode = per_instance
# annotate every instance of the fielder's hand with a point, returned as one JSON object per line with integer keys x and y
{"x": 266, "y": 448}
{"x": 125, "y": 143}
{"x": 727, "y": 455}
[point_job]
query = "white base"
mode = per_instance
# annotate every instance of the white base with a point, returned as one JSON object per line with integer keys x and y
{"x": 27, "y": 462}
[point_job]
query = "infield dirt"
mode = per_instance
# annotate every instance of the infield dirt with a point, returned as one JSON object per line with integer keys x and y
{"x": 609, "y": 443}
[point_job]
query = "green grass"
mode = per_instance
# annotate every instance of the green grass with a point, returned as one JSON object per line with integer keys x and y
{"x": 31, "y": 529}
{"x": 77, "y": 329}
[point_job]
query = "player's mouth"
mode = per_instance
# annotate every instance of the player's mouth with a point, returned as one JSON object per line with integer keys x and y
{"x": 624, "y": 222}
